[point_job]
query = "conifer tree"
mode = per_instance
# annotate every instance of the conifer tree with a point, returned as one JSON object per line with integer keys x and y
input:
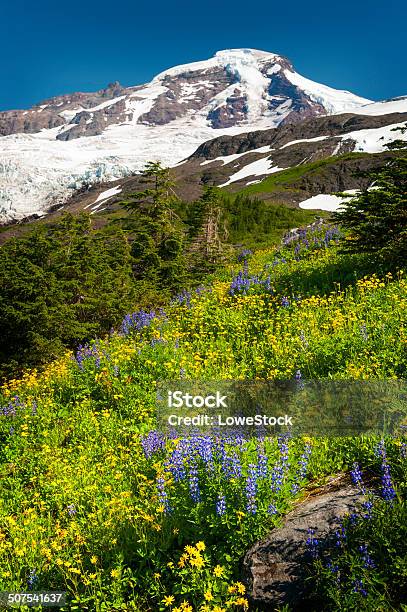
{"x": 207, "y": 246}
{"x": 159, "y": 234}
{"x": 377, "y": 217}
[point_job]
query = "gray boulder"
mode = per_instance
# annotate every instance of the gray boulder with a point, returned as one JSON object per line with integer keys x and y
{"x": 275, "y": 568}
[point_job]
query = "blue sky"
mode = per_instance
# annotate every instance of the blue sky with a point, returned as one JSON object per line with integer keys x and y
{"x": 49, "y": 48}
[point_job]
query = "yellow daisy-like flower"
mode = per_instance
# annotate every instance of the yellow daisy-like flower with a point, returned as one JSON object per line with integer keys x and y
{"x": 197, "y": 562}
{"x": 218, "y": 571}
{"x": 242, "y": 601}
{"x": 200, "y": 545}
{"x": 241, "y": 589}
{"x": 93, "y": 559}
{"x": 168, "y": 600}
{"x": 115, "y": 573}
{"x": 208, "y": 596}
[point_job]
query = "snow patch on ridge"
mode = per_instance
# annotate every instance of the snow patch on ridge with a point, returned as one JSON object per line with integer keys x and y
{"x": 256, "y": 168}
{"x": 397, "y": 105}
{"x": 374, "y": 140}
{"x": 333, "y": 100}
{"x": 326, "y": 201}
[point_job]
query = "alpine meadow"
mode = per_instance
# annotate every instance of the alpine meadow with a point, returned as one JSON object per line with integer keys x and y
{"x": 271, "y": 256}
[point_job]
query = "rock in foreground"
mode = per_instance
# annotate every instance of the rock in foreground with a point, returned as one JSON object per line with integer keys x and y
{"x": 275, "y": 567}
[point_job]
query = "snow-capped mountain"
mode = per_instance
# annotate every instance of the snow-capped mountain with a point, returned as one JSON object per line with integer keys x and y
{"x": 67, "y": 142}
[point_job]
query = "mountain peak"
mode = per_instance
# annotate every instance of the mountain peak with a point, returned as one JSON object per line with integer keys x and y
{"x": 69, "y": 142}
{"x": 244, "y": 52}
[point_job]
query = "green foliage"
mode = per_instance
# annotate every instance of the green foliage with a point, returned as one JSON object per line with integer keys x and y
{"x": 81, "y": 468}
{"x": 257, "y": 223}
{"x": 208, "y": 231}
{"x": 60, "y": 285}
{"x": 282, "y": 180}
{"x": 377, "y": 218}
{"x": 158, "y": 235}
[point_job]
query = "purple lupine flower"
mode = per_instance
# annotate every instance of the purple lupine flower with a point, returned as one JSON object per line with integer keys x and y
{"x": 303, "y": 462}
{"x": 202, "y": 446}
{"x": 285, "y": 302}
{"x": 240, "y": 284}
{"x": 298, "y": 379}
{"x": 235, "y": 465}
{"x": 334, "y": 569}
{"x": 312, "y": 544}
{"x": 244, "y": 255}
{"x": 367, "y": 559}
{"x": 87, "y": 351}
{"x": 380, "y": 450}
{"x": 176, "y": 463}
{"x": 403, "y": 450}
{"x": 71, "y": 509}
{"x": 183, "y": 298}
{"x": 356, "y": 476}
{"x": 194, "y": 483}
{"x": 221, "y": 505}
{"x": 152, "y": 443}
{"x": 162, "y": 495}
{"x": 137, "y": 320}
{"x": 283, "y": 448}
{"x": 368, "y": 506}
{"x": 359, "y": 587}
{"x": 272, "y": 510}
{"x": 340, "y": 534}
{"x": 262, "y": 462}
{"x": 32, "y": 578}
{"x": 251, "y": 489}
{"x": 388, "y": 491}
{"x": 277, "y": 477}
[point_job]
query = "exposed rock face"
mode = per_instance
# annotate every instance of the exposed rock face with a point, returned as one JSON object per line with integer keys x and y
{"x": 93, "y": 123}
{"x": 234, "y": 87}
{"x": 275, "y": 568}
{"x": 51, "y": 113}
{"x": 28, "y": 122}
{"x": 316, "y": 127}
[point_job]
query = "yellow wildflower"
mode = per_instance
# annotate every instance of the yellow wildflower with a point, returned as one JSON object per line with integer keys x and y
{"x": 168, "y": 600}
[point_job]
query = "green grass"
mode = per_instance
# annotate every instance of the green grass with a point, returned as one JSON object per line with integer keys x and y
{"x": 83, "y": 503}
{"x": 286, "y": 178}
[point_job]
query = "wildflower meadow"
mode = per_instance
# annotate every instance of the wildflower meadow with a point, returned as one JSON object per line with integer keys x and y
{"x": 97, "y": 501}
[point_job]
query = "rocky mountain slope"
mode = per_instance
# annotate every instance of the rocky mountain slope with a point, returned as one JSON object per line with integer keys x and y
{"x": 69, "y": 142}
